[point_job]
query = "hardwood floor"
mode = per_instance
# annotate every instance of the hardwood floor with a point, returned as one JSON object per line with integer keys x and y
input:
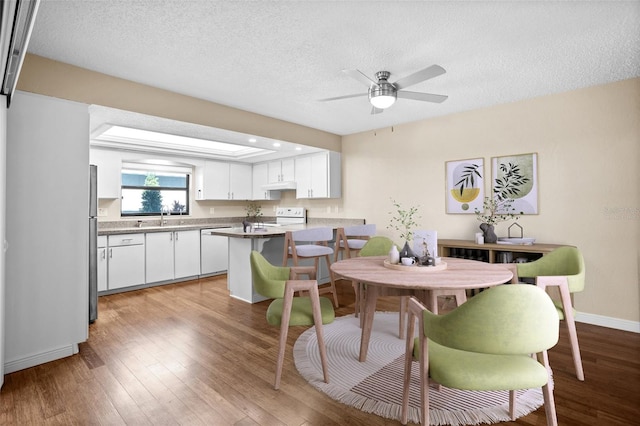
{"x": 189, "y": 354}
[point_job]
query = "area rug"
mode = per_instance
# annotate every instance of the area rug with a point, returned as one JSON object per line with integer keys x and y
{"x": 375, "y": 386}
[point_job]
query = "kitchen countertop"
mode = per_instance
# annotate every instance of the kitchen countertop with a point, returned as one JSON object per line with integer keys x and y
{"x": 165, "y": 228}
{"x": 231, "y": 228}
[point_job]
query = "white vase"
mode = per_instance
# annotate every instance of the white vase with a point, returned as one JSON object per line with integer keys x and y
{"x": 394, "y": 255}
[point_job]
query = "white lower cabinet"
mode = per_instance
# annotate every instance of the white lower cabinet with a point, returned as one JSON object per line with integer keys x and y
{"x": 126, "y": 260}
{"x": 172, "y": 255}
{"x": 102, "y": 263}
{"x": 214, "y": 253}
{"x": 186, "y": 254}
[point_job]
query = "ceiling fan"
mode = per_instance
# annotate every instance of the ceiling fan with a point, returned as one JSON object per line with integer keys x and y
{"x": 382, "y": 94}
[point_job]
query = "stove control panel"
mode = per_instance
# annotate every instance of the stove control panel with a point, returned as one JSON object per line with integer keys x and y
{"x": 294, "y": 212}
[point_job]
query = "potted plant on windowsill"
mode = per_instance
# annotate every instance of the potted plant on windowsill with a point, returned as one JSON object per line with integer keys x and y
{"x": 403, "y": 222}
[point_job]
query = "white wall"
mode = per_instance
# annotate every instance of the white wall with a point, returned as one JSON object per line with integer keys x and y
{"x": 588, "y": 145}
{"x": 3, "y": 165}
{"x": 47, "y": 291}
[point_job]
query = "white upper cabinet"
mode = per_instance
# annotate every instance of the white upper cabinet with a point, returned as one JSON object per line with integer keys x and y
{"x": 109, "y": 172}
{"x": 282, "y": 170}
{"x": 261, "y": 178}
{"x": 223, "y": 181}
{"x": 318, "y": 175}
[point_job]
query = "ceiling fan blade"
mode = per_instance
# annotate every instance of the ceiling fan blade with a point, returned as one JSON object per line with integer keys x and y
{"x": 360, "y": 76}
{"x": 375, "y": 110}
{"x": 429, "y": 97}
{"x": 417, "y": 77}
{"x": 342, "y": 97}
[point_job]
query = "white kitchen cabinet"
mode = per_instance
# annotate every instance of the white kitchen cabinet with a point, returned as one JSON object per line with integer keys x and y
{"x": 126, "y": 260}
{"x": 172, "y": 255}
{"x": 282, "y": 170}
{"x": 216, "y": 180}
{"x": 318, "y": 175}
{"x": 102, "y": 263}
{"x": 159, "y": 256}
{"x": 214, "y": 253}
{"x": 109, "y": 172}
{"x": 260, "y": 178}
{"x": 186, "y": 253}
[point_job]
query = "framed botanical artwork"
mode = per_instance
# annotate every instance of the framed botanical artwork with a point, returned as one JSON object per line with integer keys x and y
{"x": 515, "y": 183}
{"x": 464, "y": 185}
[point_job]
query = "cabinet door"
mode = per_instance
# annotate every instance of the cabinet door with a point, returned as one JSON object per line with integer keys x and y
{"x": 240, "y": 181}
{"x": 275, "y": 171}
{"x": 319, "y": 176}
{"x": 159, "y": 256}
{"x": 288, "y": 170}
{"x": 186, "y": 253}
{"x": 303, "y": 177}
{"x": 215, "y": 181}
{"x": 261, "y": 177}
{"x": 126, "y": 266}
{"x": 109, "y": 172}
{"x": 102, "y": 268}
{"x": 214, "y": 255}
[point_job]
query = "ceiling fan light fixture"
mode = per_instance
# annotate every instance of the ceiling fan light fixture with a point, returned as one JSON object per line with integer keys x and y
{"x": 382, "y": 96}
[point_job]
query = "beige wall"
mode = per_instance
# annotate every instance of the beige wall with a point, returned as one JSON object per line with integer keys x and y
{"x": 588, "y": 145}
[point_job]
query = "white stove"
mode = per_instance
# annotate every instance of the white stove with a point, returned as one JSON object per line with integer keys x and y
{"x": 290, "y": 216}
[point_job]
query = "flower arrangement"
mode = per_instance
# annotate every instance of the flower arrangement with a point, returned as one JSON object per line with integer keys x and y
{"x": 254, "y": 211}
{"x": 403, "y": 220}
{"x": 492, "y": 207}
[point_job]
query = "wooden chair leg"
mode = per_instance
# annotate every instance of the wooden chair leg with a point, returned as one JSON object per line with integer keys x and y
{"x": 547, "y": 393}
{"x": 333, "y": 282}
{"x": 284, "y": 329}
{"x": 402, "y": 320}
{"x": 408, "y": 358}
{"x": 567, "y": 307}
{"x": 317, "y": 320}
{"x": 512, "y": 404}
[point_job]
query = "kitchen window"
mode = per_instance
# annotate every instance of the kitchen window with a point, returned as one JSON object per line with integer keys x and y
{"x": 149, "y": 190}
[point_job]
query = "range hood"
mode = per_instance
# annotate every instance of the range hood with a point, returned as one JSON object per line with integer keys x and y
{"x": 279, "y": 186}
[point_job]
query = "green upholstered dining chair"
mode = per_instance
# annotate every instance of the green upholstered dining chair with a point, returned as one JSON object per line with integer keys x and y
{"x": 485, "y": 344}
{"x": 562, "y": 268}
{"x": 280, "y": 284}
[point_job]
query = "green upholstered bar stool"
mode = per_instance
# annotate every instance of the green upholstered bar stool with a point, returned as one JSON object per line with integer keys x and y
{"x": 280, "y": 284}
{"x": 562, "y": 268}
{"x": 485, "y": 344}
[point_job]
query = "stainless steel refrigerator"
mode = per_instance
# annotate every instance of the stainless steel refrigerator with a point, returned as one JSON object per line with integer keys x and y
{"x": 93, "y": 243}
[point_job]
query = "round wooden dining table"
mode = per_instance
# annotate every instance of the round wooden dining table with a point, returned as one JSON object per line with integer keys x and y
{"x": 380, "y": 280}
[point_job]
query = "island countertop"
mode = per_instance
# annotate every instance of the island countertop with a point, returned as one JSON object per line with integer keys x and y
{"x": 272, "y": 231}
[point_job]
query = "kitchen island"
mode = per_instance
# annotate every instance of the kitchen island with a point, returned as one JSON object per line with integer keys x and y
{"x": 270, "y": 243}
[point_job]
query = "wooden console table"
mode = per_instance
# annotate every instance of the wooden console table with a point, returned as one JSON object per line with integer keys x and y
{"x": 492, "y": 252}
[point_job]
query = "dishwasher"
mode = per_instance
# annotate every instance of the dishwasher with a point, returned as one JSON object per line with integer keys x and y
{"x": 214, "y": 252}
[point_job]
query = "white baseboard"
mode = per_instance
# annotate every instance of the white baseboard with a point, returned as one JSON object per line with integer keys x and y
{"x": 617, "y": 323}
{"x": 41, "y": 358}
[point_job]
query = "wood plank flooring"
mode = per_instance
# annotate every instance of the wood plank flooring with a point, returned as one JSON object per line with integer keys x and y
{"x": 188, "y": 354}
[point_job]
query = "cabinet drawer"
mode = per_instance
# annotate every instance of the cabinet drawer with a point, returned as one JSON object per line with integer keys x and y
{"x": 125, "y": 240}
{"x": 102, "y": 241}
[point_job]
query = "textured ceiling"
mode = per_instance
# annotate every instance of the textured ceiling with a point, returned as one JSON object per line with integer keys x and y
{"x": 278, "y": 58}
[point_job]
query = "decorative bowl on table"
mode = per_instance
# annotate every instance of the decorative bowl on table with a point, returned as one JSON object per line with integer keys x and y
{"x": 415, "y": 268}
{"x": 517, "y": 241}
